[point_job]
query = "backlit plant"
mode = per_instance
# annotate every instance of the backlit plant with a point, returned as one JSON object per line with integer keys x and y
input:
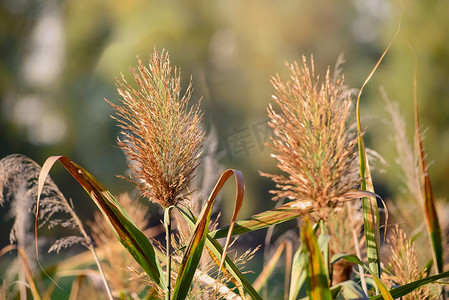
{"x": 325, "y": 179}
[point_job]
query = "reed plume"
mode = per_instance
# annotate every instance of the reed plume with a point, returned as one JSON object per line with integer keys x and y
{"x": 404, "y": 267}
{"x": 311, "y": 141}
{"x": 161, "y": 135}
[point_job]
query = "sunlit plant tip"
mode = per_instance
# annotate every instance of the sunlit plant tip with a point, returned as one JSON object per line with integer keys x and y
{"x": 161, "y": 135}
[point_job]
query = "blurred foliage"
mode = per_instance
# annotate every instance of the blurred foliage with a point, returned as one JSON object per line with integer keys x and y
{"x": 59, "y": 59}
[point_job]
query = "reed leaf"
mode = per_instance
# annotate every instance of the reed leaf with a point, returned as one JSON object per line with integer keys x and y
{"x": 216, "y": 251}
{"x": 370, "y": 208}
{"x": 348, "y": 290}
{"x": 299, "y": 275}
{"x": 316, "y": 281}
{"x": 430, "y": 212}
{"x": 410, "y": 287}
{"x": 197, "y": 240}
{"x": 278, "y": 215}
{"x": 354, "y": 259}
{"x": 136, "y": 243}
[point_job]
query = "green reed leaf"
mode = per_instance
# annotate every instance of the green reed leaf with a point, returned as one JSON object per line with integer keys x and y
{"x": 354, "y": 259}
{"x": 370, "y": 209}
{"x": 216, "y": 251}
{"x": 265, "y": 219}
{"x": 197, "y": 240}
{"x": 348, "y": 290}
{"x": 299, "y": 274}
{"x": 370, "y": 214}
{"x": 278, "y": 215}
{"x": 127, "y": 233}
{"x": 410, "y": 287}
{"x": 316, "y": 281}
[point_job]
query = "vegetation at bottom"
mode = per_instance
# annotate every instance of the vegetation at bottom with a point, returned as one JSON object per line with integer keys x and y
{"x": 349, "y": 243}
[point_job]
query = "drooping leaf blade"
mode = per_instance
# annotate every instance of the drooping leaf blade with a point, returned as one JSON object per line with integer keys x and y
{"x": 195, "y": 247}
{"x": 354, "y": 259}
{"x": 217, "y": 251}
{"x": 128, "y": 234}
{"x": 316, "y": 281}
{"x": 348, "y": 290}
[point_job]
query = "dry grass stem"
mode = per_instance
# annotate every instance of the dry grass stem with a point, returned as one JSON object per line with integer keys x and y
{"x": 161, "y": 135}
{"x": 312, "y": 142}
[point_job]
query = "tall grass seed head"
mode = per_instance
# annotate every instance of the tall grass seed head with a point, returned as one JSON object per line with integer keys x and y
{"x": 161, "y": 136}
{"x": 312, "y": 142}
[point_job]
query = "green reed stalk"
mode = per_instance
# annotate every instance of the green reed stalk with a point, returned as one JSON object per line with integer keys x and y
{"x": 167, "y": 223}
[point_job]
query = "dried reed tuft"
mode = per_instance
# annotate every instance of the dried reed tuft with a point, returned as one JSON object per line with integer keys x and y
{"x": 161, "y": 135}
{"x": 403, "y": 263}
{"x": 19, "y": 185}
{"x": 311, "y": 140}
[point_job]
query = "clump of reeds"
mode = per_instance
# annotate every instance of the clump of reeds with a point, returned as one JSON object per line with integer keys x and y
{"x": 312, "y": 142}
{"x": 161, "y": 135}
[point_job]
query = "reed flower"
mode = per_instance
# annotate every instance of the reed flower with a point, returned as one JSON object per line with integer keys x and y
{"x": 311, "y": 141}
{"x": 161, "y": 135}
{"x": 404, "y": 267}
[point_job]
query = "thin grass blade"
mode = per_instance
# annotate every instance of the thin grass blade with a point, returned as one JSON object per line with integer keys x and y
{"x": 316, "y": 281}
{"x": 370, "y": 209}
{"x": 195, "y": 247}
{"x": 128, "y": 234}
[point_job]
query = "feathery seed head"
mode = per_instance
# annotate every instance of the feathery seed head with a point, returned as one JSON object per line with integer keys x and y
{"x": 404, "y": 267}
{"x": 161, "y": 136}
{"x": 311, "y": 140}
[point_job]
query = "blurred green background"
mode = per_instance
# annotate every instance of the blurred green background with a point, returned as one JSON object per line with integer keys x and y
{"x": 59, "y": 60}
